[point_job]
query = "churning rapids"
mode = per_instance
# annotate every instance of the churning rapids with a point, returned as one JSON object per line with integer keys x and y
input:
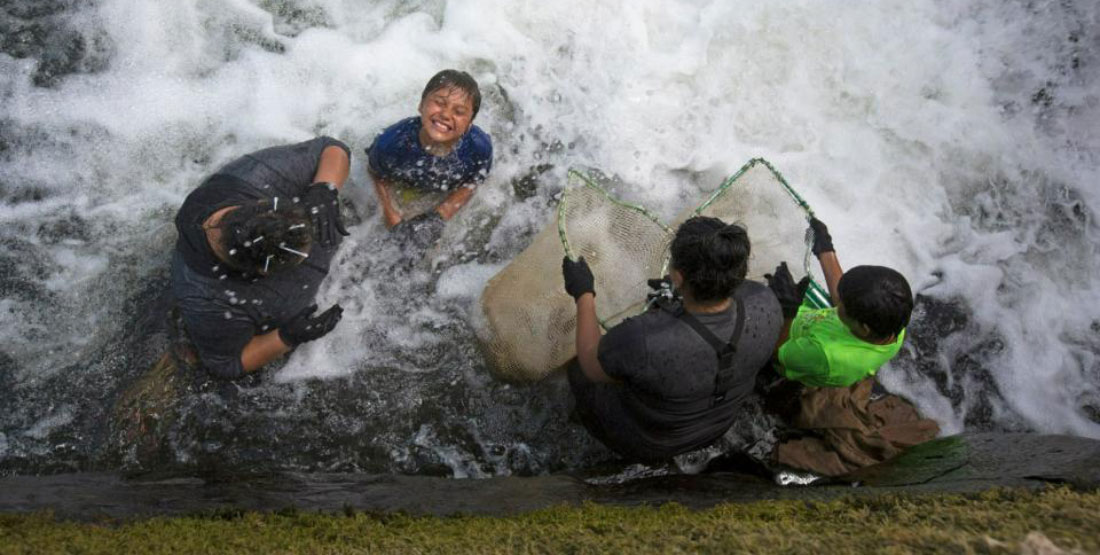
{"x": 956, "y": 141}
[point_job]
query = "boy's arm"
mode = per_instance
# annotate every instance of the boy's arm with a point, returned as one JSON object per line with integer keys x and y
{"x": 457, "y": 199}
{"x": 333, "y": 167}
{"x": 830, "y": 266}
{"x": 588, "y": 340}
{"x": 390, "y": 213}
{"x": 826, "y": 256}
{"x": 579, "y": 284}
{"x": 262, "y": 349}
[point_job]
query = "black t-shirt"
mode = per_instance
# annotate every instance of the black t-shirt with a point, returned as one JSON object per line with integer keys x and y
{"x": 223, "y": 310}
{"x": 664, "y": 405}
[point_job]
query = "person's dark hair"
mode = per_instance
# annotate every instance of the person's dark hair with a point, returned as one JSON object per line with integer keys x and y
{"x": 878, "y": 297}
{"x": 452, "y": 78}
{"x": 712, "y": 256}
{"x": 261, "y": 240}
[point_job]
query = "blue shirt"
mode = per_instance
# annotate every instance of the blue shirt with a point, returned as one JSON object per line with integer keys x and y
{"x": 397, "y": 155}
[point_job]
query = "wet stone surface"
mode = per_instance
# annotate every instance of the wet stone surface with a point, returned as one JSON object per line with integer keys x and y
{"x": 966, "y": 463}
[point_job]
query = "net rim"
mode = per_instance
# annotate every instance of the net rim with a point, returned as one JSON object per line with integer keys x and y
{"x": 818, "y": 295}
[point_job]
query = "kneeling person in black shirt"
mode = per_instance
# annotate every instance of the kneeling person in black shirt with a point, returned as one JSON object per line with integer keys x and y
{"x": 672, "y": 379}
{"x": 255, "y": 241}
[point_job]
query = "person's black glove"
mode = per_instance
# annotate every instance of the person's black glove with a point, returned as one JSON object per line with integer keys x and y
{"x": 662, "y": 288}
{"x": 305, "y": 327}
{"x": 422, "y": 231}
{"x": 578, "y": 278}
{"x": 823, "y": 242}
{"x": 789, "y": 294}
{"x": 322, "y": 202}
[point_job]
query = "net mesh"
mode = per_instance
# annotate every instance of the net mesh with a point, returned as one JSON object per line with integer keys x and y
{"x": 528, "y": 321}
{"x": 758, "y": 198}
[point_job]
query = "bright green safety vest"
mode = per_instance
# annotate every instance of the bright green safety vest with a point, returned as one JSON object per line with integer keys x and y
{"x": 822, "y": 352}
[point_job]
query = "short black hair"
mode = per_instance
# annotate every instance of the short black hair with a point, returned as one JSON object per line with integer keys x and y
{"x": 460, "y": 80}
{"x": 259, "y": 237}
{"x": 878, "y": 297}
{"x": 712, "y": 256}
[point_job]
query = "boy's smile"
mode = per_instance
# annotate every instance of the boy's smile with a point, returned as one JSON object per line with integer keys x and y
{"x": 445, "y": 116}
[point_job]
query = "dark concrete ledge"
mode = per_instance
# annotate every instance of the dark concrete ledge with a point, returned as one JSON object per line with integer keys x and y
{"x": 965, "y": 463}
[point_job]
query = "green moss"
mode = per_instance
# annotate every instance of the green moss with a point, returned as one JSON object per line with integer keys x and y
{"x": 994, "y": 521}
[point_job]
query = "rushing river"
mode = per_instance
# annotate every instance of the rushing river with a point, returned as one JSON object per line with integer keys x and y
{"x": 956, "y": 141}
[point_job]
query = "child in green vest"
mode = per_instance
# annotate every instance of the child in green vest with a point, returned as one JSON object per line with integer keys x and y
{"x": 837, "y": 347}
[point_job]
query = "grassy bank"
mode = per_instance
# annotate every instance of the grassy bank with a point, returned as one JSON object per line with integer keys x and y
{"x": 994, "y": 521}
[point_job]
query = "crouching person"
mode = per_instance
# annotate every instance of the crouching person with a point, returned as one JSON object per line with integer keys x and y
{"x": 672, "y": 379}
{"x": 849, "y": 420}
{"x": 255, "y": 241}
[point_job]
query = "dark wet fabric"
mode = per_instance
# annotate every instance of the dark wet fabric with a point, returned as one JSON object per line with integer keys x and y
{"x": 397, "y": 155}
{"x": 852, "y": 427}
{"x": 223, "y": 310}
{"x": 665, "y": 403}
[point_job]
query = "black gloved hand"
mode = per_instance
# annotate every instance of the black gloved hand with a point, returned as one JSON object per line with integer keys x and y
{"x": 823, "y": 242}
{"x": 422, "y": 231}
{"x": 662, "y": 288}
{"x": 305, "y": 327}
{"x": 789, "y": 294}
{"x": 578, "y": 278}
{"x": 322, "y": 202}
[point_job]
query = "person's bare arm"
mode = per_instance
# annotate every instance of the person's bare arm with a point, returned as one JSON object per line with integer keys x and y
{"x": 262, "y": 349}
{"x": 830, "y": 266}
{"x": 333, "y": 167}
{"x": 588, "y": 340}
{"x": 454, "y": 201}
{"x": 390, "y": 213}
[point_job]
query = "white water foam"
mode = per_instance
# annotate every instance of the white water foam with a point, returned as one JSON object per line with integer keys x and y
{"x": 956, "y": 143}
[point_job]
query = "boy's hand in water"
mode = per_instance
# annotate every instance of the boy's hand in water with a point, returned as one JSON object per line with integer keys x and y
{"x": 422, "y": 231}
{"x": 578, "y": 277}
{"x": 304, "y": 327}
{"x": 789, "y": 294}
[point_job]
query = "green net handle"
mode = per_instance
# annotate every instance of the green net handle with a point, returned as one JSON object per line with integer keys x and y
{"x": 577, "y": 176}
{"x": 816, "y": 295}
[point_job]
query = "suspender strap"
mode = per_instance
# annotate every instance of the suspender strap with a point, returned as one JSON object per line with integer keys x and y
{"x": 723, "y": 379}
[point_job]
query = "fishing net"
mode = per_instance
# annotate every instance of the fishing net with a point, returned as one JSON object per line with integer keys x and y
{"x": 528, "y": 321}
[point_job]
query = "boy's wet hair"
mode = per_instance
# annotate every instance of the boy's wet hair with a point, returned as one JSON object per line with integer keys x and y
{"x": 262, "y": 238}
{"x": 712, "y": 256}
{"x": 878, "y": 297}
{"x": 452, "y": 78}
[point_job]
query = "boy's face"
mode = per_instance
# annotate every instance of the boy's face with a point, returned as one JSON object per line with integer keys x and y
{"x": 445, "y": 115}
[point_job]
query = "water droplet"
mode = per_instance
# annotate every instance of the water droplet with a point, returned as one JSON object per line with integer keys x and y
{"x": 228, "y": 315}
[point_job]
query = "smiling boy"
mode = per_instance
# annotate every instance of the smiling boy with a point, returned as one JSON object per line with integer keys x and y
{"x": 835, "y": 354}
{"x": 438, "y": 154}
